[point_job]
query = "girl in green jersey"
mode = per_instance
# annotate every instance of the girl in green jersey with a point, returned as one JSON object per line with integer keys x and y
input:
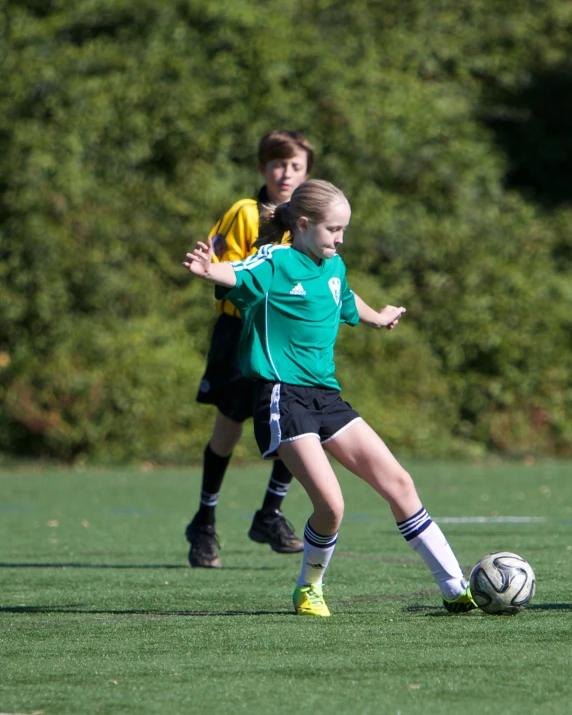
{"x": 292, "y": 300}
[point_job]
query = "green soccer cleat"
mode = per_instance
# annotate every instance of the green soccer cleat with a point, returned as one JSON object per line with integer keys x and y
{"x": 462, "y": 604}
{"x": 309, "y": 601}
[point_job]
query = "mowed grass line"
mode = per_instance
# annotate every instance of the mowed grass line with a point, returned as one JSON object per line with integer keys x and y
{"x": 101, "y": 613}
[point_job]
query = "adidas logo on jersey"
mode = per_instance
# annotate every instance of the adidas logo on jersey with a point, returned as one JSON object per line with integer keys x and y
{"x": 298, "y": 290}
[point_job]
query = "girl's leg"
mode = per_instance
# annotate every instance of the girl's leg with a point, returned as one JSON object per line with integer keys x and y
{"x": 306, "y": 459}
{"x": 360, "y": 450}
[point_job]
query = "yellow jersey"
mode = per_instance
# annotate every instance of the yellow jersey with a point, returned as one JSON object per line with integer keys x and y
{"x": 234, "y": 237}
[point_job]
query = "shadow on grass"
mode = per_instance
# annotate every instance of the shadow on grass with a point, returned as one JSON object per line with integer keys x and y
{"x": 430, "y": 610}
{"x": 72, "y": 609}
{"x": 77, "y": 565}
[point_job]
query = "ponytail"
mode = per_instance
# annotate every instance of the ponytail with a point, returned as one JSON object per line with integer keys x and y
{"x": 274, "y": 222}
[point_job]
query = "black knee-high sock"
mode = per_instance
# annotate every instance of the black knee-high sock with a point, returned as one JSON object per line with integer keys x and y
{"x": 214, "y": 468}
{"x": 277, "y": 486}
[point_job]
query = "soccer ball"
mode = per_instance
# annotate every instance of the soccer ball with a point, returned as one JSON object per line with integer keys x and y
{"x": 502, "y": 583}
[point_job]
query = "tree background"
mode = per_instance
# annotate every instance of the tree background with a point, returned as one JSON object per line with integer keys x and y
{"x": 128, "y": 126}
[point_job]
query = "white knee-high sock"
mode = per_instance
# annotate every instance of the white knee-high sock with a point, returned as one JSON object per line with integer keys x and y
{"x": 318, "y": 550}
{"x": 426, "y": 538}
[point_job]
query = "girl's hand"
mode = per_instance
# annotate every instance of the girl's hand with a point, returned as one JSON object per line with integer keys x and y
{"x": 390, "y": 316}
{"x": 200, "y": 259}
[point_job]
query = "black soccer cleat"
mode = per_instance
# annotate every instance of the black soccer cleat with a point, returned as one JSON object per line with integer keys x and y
{"x": 204, "y": 544}
{"x": 271, "y": 527}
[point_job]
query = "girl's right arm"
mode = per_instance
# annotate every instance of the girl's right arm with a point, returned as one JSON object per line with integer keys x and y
{"x": 199, "y": 263}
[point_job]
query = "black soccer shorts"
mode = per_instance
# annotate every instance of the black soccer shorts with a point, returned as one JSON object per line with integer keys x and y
{"x": 223, "y": 383}
{"x": 284, "y": 413}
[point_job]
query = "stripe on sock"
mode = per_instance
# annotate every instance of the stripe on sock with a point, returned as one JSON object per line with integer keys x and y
{"x": 277, "y": 488}
{"x": 210, "y": 500}
{"x": 415, "y": 525}
{"x": 317, "y": 540}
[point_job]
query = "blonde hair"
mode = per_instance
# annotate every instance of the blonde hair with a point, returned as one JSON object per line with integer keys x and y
{"x": 311, "y": 199}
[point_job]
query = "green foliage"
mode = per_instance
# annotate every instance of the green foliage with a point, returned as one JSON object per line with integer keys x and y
{"x": 128, "y": 126}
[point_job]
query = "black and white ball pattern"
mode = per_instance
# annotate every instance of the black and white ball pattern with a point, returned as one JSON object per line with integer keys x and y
{"x": 502, "y": 583}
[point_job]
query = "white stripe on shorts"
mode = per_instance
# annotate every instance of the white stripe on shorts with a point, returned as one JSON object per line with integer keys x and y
{"x": 343, "y": 429}
{"x": 275, "y": 430}
{"x": 293, "y": 439}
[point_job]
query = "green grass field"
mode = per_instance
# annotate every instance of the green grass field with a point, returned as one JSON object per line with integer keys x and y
{"x": 100, "y": 612}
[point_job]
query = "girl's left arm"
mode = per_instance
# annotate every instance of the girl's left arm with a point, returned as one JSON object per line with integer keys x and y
{"x": 388, "y": 317}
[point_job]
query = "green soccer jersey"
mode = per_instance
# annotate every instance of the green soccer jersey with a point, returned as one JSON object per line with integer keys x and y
{"x": 291, "y": 310}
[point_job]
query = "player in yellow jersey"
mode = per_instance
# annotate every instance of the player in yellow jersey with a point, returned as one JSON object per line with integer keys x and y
{"x": 285, "y": 159}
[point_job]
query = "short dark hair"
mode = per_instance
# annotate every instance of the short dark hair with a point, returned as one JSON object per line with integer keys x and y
{"x": 283, "y": 144}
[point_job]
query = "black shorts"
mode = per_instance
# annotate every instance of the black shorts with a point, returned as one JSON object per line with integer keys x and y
{"x": 223, "y": 384}
{"x": 284, "y": 413}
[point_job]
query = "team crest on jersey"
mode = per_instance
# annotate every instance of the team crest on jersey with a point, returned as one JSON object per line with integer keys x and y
{"x": 219, "y": 244}
{"x": 335, "y": 286}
